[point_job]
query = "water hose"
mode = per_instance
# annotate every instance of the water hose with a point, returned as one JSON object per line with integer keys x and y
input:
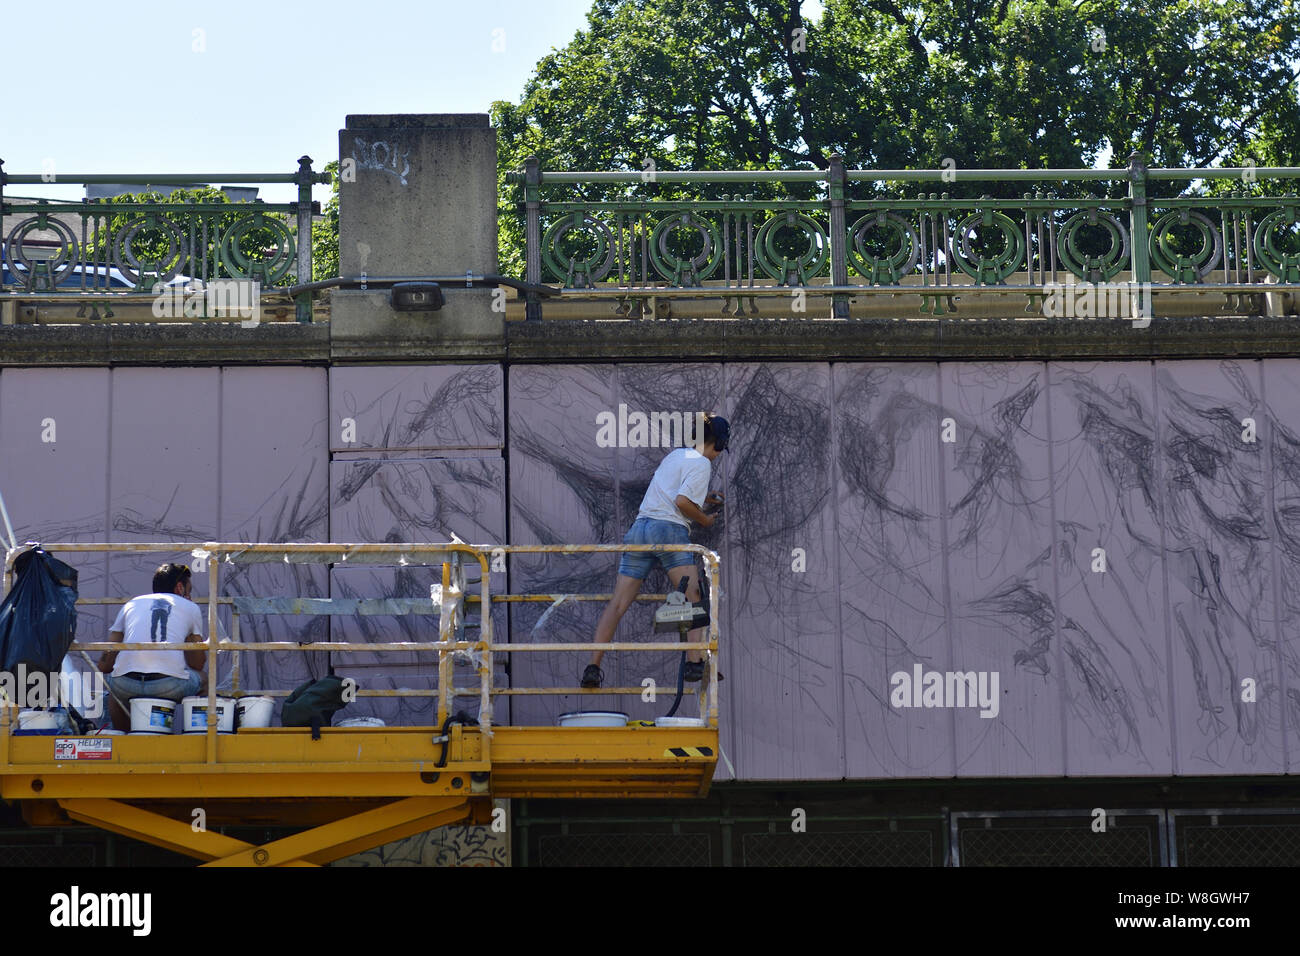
{"x": 681, "y": 685}
{"x": 445, "y": 736}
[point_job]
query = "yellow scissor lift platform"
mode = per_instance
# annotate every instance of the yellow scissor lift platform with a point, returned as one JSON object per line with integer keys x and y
{"x": 359, "y": 787}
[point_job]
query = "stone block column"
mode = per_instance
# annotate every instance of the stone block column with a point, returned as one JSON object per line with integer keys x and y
{"x": 418, "y": 197}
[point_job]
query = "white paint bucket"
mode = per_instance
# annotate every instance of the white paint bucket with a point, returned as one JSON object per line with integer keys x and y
{"x": 194, "y": 715}
{"x": 43, "y": 720}
{"x": 106, "y": 733}
{"x": 593, "y": 718}
{"x": 152, "y": 715}
{"x": 360, "y": 722}
{"x": 255, "y": 711}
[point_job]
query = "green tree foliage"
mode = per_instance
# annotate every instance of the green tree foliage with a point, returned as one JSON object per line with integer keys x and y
{"x": 325, "y": 232}
{"x": 730, "y": 84}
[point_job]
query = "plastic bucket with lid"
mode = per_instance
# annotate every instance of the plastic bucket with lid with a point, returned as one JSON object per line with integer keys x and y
{"x": 194, "y": 715}
{"x": 152, "y": 715}
{"x": 35, "y": 720}
{"x": 255, "y": 711}
{"x": 680, "y": 722}
{"x": 593, "y": 718}
{"x": 360, "y": 722}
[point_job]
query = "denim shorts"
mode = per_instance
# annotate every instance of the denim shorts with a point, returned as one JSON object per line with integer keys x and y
{"x": 166, "y": 688}
{"x": 637, "y": 564}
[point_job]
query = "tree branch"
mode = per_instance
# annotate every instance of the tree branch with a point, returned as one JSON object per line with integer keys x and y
{"x": 891, "y": 9}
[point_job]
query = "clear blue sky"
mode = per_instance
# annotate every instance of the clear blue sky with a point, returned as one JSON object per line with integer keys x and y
{"x": 130, "y": 86}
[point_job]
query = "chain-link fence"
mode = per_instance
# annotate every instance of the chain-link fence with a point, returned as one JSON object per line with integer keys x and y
{"x": 626, "y": 849}
{"x": 1058, "y": 843}
{"x": 822, "y": 839}
{"x": 882, "y": 848}
{"x": 48, "y": 854}
{"x": 1233, "y": 838}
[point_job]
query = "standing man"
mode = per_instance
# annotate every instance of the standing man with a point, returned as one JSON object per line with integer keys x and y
{"x": 677, "y": 495}
{"x": 165, "y": 615}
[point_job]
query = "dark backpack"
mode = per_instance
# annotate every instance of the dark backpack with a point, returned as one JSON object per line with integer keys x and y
{"x": 313, "y": 704}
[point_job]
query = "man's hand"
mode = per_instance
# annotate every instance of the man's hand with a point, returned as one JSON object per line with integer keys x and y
{"x": 109, "y": 658}
{"x": 714, "y": 500}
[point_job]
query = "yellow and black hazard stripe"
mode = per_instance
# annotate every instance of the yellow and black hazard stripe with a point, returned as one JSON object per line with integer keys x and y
{"x": 689, "y": 752}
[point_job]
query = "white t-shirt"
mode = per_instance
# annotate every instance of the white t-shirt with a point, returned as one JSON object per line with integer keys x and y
{"x": 157, "y": 619}
{"x": 683, "y": 471}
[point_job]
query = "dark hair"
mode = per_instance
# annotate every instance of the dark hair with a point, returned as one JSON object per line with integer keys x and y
{"x": 168, "y": 576}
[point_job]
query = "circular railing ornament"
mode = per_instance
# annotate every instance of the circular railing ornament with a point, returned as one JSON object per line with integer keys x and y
{"x": 1093, "y": 268}
{"x": 1174, "y": 264}
{"x": 579, "y": 274}
{"x": 58, "y": 266}
{"x": 692, "y": 271}
{"x": 164, "y": 269}
{"x": 1283, "y": 265}
{"x": 268, "y": 269}
{"x": 777, "y": 265}
{"x": 891, "y": 268}
{"x": 983, "y": 270}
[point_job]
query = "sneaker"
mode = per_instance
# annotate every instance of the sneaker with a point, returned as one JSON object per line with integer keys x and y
{"x": 593, "y": 676}
{"x": 694, "y": 671}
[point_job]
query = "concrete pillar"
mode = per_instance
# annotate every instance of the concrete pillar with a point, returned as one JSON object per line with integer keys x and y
{"x": 418, "y": 197}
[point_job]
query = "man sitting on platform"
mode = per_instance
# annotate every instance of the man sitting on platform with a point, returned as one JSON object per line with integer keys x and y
{"x": 165, "y": 615}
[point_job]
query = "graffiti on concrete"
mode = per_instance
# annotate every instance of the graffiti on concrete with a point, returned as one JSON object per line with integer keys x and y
{"x": 383, "y": 157}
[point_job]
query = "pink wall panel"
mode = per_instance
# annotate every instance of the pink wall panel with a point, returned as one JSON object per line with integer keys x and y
{"x": 892, "y": 591}
{"x": 275, "y": 489}
{"x": 1281, "y": 435}
{"x": 58, "y": 490}
{"x": 781, "y": 651}
{"x": 1000, "y": 577}
{"x": 164, "y": 475}
{"x": 1110, "y": 623}
{"x": 1221, "y": 599}
{"x": 563, "y": 489}
{"x": 413, "y": 408}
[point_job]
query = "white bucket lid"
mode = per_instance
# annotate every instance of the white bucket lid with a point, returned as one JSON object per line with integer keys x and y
{"x": 361, "y": 722}
{"x": 42, "y": 718}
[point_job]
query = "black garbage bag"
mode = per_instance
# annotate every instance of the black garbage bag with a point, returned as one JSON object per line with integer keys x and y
{"x": 38, "y": 617}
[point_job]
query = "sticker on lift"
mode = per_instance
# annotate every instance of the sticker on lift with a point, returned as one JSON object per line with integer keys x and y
{"x": 82, "y": 748}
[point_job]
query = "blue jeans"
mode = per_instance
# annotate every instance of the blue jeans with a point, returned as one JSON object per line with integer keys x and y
{"x": 653, "y": 531}
{"x": 166, "y": 688}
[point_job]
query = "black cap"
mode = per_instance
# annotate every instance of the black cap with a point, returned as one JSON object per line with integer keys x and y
{"x": 721, "y": 432}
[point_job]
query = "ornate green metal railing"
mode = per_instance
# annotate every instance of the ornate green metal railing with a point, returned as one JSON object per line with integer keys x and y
{"x": 1066, "y": 232}
{"x": 101, "y": 251}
